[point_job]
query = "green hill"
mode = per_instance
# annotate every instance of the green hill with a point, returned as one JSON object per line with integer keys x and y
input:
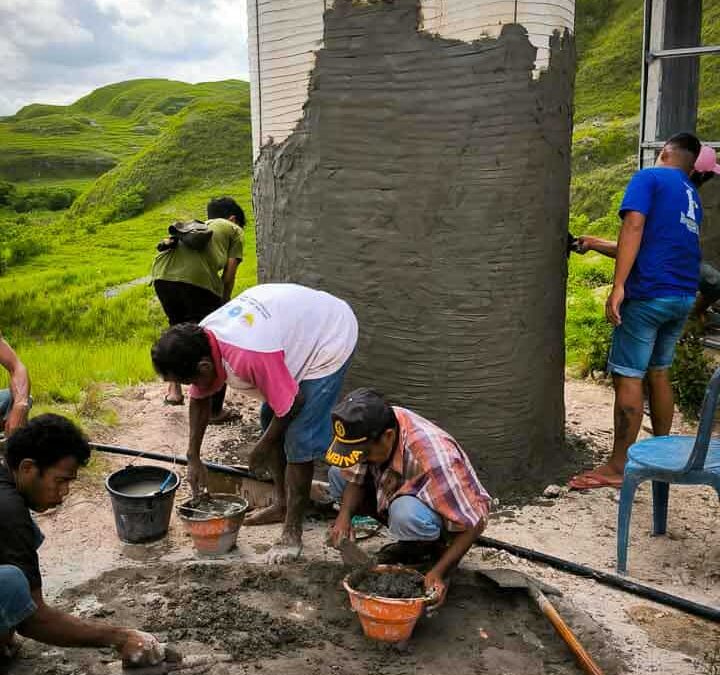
{"x": 85, "y": 139}
{"x": 207, "y": 142}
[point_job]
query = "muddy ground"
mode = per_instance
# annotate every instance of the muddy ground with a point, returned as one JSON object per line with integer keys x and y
{"x": 299, "y": 621}
{"x": 300, "y": 617}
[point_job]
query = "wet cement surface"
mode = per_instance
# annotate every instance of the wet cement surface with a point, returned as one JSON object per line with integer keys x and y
{"x": 440, "y": 170}
{"x": 299, "y": 620}
{"x": 388, "y": 584}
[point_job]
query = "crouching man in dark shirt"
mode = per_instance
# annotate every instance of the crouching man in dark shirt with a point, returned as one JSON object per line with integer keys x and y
{"x": 42, "y": 460}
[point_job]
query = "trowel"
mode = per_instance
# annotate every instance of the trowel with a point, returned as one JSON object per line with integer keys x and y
{"x": 536, "y": 589}
{"x": 353, "y": 556}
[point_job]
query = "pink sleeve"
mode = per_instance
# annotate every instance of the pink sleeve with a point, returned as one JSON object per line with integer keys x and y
{"x": 267, "y": 372}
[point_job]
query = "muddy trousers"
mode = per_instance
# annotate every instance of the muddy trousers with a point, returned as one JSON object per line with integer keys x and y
{"x": 16, "y": 603}
{"x": 409, "y": 519}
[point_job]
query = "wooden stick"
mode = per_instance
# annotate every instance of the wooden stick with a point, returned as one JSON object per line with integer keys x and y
{"x": 546, "y": 607}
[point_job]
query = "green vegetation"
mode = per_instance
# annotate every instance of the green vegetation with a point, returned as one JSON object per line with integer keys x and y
{"x": 174, "y": 146}
{"x": 605, "y": 140}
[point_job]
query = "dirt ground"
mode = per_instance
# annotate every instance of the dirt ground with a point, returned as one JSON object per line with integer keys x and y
{"x": 298, "y": 620}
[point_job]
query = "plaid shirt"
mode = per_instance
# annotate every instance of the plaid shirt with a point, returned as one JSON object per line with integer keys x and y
{"x": 428, "y": 464}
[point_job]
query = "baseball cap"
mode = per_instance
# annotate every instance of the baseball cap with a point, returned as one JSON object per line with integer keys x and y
{"x": 358, "y": 419}
{"x": 707, "y": 160}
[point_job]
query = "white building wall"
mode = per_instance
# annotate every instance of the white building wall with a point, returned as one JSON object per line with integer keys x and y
{"x": 284, "y": 35}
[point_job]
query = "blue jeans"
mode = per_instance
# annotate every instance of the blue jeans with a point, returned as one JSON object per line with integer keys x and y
{"x": 6, "y": 401}
{"x": 16, "y": 603}
{"x": 647, "y": 336}
{"x": 309, "y": 435}
{"x": 409, "y": 519}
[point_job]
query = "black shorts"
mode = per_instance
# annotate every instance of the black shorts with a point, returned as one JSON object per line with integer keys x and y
{"x": 185, "y": 302}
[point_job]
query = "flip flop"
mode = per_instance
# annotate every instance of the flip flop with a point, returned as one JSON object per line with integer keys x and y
{"x": 169, "y": 401}
{"x": 592, "y": 479}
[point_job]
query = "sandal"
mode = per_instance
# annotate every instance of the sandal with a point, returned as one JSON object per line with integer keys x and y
{"x": 173, "y": 401}
{"x": 592, "y": 479}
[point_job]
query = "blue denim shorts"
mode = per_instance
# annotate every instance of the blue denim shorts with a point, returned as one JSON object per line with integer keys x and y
{"x": 16, "y": 603}
{"x": 646, "y": 338}
{"x": 5, "y": 402}
{"x": 309, "y": 435}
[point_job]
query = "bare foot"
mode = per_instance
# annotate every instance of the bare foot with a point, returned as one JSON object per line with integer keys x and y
{"x": 275, "y": 513}
{"x": 222, "y": 417}
{"x": 286, "y": 549}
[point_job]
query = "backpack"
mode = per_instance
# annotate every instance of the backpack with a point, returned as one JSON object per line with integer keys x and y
{"x": 194, "y": 234}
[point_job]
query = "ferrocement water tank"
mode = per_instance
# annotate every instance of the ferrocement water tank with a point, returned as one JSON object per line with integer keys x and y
{"x": 413, "y": 158}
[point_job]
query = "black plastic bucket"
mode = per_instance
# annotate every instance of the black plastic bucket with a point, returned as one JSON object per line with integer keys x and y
{"x": 139, "y": 516}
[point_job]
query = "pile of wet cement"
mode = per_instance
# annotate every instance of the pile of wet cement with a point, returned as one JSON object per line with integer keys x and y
{"x": 218, "y": 618}
{"x": 407, "y": 584}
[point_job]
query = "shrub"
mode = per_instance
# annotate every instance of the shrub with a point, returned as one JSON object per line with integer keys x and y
{"x": 690, "y": 373}
{"x": 7, "y": 193}
{"x": 126, "y": 205}
{"x": 50, "y": 199}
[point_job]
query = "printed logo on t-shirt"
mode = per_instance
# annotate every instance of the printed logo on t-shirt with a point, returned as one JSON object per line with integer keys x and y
{"x": 688, "y": 219}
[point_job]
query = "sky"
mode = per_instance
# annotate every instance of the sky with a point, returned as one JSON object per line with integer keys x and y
{"x": 55, "y": 51}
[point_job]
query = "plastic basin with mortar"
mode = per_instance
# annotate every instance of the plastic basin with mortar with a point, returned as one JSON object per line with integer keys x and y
{"x": 386, "y": 619}
{"x": 213, "y": 525}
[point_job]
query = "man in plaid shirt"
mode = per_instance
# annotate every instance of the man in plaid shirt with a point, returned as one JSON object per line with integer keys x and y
{"x": 390, "y": 462}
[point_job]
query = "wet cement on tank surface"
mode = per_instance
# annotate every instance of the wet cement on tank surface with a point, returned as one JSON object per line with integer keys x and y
{"x": 428, "y": 185}
{"x": 388, "y": 584}
{"x": 298, "y": 620}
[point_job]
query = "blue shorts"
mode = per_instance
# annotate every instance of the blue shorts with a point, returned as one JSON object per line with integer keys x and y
{"x": 16, "y": 603}
{"x": 6, "y": 400}
{"x": 646, "y": 338}
{"x": 309, "y": 435}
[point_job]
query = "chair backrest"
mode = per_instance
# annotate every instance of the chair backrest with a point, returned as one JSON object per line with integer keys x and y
{"x": 707, "y": 417}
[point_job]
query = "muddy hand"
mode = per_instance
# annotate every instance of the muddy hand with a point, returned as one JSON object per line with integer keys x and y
{"x": 436, "y": 588}
{"x": 197, "y": 476}
{"x": 340, "y": 530}
{"x": 141, "y": 649}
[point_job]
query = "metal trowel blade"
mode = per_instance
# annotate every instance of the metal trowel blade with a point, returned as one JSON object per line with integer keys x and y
{"x": 353, "y": 555}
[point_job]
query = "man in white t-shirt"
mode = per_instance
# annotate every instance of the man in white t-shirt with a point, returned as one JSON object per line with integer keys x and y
{"x": 289, "y": 346}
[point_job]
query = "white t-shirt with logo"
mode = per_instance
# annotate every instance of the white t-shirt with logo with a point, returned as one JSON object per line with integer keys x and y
{"x": 273, "y": 336}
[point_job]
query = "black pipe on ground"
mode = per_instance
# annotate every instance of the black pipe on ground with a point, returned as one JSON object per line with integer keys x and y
{"x": 237, "y": 472}
{"x": 614, "y": 580}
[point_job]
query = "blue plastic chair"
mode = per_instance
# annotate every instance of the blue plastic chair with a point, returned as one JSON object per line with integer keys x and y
{"x": 682, "y": 460}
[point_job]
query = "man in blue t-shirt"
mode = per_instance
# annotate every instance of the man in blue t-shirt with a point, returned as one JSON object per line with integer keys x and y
{"x": 656, "y": 277}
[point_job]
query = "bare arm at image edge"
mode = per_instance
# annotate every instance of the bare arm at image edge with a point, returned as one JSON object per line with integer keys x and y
{"x": 19, "y": 386}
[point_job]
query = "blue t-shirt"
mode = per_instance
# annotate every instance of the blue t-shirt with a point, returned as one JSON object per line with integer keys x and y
{"x": 668, "y": 262}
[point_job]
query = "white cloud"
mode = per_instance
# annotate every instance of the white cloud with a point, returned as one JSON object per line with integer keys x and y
{"x": 55, "y": 51}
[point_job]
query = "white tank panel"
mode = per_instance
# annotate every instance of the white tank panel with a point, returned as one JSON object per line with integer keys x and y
{"x": 284, "y": 35}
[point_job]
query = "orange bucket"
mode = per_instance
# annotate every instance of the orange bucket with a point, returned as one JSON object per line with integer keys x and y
{"x": 386, "y": 619}
{"x": 213, "y": 534}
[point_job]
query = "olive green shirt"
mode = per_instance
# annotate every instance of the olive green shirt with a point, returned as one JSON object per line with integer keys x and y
{"x": 202, "y": 268}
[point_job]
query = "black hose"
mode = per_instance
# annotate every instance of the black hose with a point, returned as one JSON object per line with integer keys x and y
{"x": 237, "y": 472}
{"x": 614, "y": 580}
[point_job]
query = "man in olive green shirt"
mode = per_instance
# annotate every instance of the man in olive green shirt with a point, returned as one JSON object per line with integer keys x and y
{"x": 191, "y": 284}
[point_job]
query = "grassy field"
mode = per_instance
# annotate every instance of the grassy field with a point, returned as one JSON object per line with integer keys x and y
{"x": 54, "y": 307}
{"x": 173, "y": 147}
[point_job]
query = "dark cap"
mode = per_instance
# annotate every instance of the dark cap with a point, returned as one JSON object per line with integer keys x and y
{"x": 358, "y": 419}
{"x": 686, "y": 141}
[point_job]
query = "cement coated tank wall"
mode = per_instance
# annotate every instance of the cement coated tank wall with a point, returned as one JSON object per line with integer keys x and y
{"x": 284, "y": 36}
{"x": 427, "y": 184}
